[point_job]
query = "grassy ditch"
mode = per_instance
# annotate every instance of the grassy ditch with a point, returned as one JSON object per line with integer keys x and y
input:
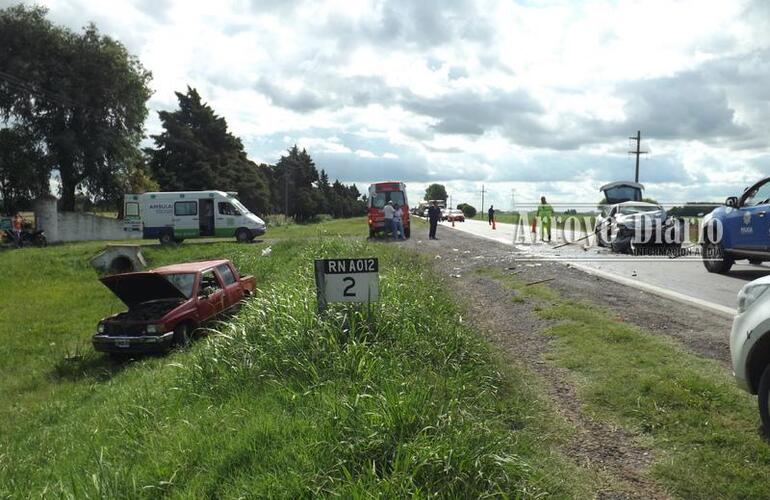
{"x": 687, "y": 408}
{"x": 397, "y": 399}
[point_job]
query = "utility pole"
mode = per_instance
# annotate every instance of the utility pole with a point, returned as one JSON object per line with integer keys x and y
{"x": 638, "y": 152}
{"x": 450, "y": 202}
{"x": 286, "y": 190}
{"x": 482, "y": 198}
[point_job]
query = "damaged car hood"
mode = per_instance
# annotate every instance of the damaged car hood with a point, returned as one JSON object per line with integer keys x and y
{"x": 135, "y": 288}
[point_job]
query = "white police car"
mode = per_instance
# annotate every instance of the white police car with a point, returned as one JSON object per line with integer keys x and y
{"x": 738, "y": 230}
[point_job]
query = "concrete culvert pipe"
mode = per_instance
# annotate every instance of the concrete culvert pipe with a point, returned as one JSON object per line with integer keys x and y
{"x": 121, "y": 265}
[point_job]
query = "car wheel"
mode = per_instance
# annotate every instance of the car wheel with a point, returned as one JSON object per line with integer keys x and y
{"x": 714, "y": 258}
{"x": 166, "y": 239}
{"x": 41, "y": 241}
{"x": 243, "y": 236}
{"x": 763, "y": 398}
{"x": 182, "y": 335}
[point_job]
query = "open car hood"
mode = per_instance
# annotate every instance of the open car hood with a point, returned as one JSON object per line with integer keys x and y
{"x": 135, "y": 288}
{"x": 619, "y": 192}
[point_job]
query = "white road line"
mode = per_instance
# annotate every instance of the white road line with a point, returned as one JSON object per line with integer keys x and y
{"x": 721, "y": 310}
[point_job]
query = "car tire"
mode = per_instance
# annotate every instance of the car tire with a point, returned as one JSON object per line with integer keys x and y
{"x": 243, "y": 236}
{"x": 763, "y": 399}
{"x": 714, "y": 258}
{"x": 166, "y": 238}
{"x": 182, "y": 335}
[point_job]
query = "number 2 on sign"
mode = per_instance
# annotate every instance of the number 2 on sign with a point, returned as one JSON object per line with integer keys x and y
{"x": 352, "y": 283}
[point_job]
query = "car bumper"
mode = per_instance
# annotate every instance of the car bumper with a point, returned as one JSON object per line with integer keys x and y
{"x": 258, "y": 231}
{"x": 144, "y": 343}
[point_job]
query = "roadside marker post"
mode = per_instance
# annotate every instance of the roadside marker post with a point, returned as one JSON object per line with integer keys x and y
{"x": 347, "y": 280}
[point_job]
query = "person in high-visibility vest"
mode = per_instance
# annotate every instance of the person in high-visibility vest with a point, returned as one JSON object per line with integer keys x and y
{"x": 544, "y": 213}
{"x": 17, "y": 225}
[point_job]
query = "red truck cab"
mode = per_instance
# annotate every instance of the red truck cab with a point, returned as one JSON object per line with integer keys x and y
{"x": 380, "y": 193}
{"x": 167, "y": 304}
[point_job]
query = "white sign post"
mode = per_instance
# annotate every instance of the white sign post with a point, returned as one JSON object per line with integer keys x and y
{"x": 347, "y": 280}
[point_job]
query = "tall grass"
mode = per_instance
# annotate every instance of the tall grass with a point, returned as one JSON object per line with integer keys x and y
{"x": 396, "y": 399}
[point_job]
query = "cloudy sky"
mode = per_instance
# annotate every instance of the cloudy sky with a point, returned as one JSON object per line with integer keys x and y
{"x": 539, "y": 97}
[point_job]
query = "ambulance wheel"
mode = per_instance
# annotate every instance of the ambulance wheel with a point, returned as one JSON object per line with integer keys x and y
{"x": 243, "y": 236}
{"x": 166, "y": 239}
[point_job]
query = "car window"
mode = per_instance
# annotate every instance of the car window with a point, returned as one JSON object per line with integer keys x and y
{"x": 226, "y": 273}
{"x": 757, "y": 196}
{"x": 183, "y": 281}
{"x": 186, "y": 208}
{"x": 209, "y": 280}
{"x": 379, "y": 199}
{"x": 132, "y": 209}
{"x": 228, "y": 209}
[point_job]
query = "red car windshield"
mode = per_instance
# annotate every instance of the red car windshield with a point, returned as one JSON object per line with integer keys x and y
{"x": 183, "y": 281}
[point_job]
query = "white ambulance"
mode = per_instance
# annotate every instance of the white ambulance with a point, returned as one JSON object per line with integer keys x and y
{"x": 174, "y": 216}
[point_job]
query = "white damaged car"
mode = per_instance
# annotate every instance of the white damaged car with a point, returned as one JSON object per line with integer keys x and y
{"x": 627, "y": 226}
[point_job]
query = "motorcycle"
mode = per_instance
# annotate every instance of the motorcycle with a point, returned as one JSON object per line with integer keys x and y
{"x": 26, "y": 238}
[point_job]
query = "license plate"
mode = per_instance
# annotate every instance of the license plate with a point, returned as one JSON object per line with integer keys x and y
{"x": 122, "y": 343}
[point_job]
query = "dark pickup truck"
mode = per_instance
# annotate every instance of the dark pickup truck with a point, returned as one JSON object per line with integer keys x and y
{"x": 167, "y": 304}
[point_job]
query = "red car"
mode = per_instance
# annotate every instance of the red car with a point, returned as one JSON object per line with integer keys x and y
{"x": 167, "y": 304}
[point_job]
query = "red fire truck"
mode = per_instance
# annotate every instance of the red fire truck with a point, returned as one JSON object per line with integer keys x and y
{"x": 380, "y": 193}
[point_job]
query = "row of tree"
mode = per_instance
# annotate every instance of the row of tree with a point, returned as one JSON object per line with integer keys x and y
{"x": 74, "y": 105}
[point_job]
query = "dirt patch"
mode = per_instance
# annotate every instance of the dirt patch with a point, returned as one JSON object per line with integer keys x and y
{"x": 514, "y": 327}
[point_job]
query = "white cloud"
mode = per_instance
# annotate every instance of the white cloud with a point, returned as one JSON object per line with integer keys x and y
{"x": 536, "y": 97}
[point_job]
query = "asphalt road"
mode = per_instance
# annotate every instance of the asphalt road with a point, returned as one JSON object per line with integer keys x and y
{"x": 683, "y": 279}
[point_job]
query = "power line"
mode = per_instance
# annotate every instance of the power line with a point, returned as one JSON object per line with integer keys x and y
{"x": 25, "y": 86}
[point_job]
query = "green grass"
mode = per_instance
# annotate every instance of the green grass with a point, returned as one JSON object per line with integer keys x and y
{"x": 702, "y": 427}
{"x": 400, "y": 399}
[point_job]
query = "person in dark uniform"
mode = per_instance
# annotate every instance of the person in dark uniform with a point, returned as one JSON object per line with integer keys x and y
{"x": 434, "y": 215}
{"x": 491, "y": 214}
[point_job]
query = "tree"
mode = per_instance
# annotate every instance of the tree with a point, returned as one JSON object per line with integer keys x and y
{"x": 295, "y": 175}
{"x": 83, "y": 94}
{"x": 436, "y": 192}
{"x": 196, "y": 152}
{"x": 468, "y": 211}
{"x": 24, "y": 168}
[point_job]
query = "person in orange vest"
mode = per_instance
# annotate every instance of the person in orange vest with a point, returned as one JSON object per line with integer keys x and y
{"x": 17, "y": 225}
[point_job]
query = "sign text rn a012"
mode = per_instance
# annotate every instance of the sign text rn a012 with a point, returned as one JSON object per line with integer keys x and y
{"x": 347, "y": 280}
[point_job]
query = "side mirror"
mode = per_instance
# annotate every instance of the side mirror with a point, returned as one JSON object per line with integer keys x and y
{"x": 732, "y": 201}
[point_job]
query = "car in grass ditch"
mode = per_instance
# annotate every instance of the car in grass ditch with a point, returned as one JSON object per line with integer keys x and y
{"x": 750, "y": 344}
{"x": 166, "y": 305}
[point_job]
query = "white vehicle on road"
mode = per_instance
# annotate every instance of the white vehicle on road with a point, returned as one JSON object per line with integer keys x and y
{"x": 174, "y": 216}
{"x": 750, "y": 344}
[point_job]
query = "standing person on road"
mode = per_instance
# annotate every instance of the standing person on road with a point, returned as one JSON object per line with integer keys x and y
{"x": 398, "y": 222}
{"x": 17, "y": 225}
{"x": 544, "y": 213}
{"x": 388, "y": 211}
{"x": 491, "y": 214}
{"x": 434, "y": 214}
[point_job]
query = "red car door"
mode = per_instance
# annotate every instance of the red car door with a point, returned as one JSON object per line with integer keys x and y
{"x": 211, "y": 295}
{"x": 233, "y": 290}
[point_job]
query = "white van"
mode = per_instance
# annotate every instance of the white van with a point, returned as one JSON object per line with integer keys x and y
{"x": 174, "y": 216}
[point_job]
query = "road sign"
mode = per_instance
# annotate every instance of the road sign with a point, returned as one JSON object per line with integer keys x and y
{"x": 347, "y": 280}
